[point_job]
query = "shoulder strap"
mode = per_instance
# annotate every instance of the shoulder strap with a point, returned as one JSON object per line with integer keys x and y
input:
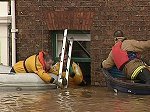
{"x": 36, "y": 61}
{"x": 24, "y": 65}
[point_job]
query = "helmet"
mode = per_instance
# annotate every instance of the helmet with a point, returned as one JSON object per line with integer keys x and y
{"x": 118, "y": 33}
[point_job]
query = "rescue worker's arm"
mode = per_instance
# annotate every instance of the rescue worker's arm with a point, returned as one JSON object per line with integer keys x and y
{"x": 47, "y": 78}
{"x": 140, "y": 46}
{"x": 108, "y": 63}
{"x": 44, "y": 76}
{"x": 76, "y": 73}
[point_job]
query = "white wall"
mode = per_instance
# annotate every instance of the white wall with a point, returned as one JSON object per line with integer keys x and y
{"x": 3, "y": 8}
{"x": 4, "y": 44}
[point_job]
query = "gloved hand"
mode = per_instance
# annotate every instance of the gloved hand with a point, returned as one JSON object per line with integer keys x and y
{"x": 54, "y": 81}
{"x": 59, "y": 84}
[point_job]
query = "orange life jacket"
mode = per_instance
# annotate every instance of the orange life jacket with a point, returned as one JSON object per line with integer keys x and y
{"x": 41, "y": 59}
{"x": 120, "y": 56}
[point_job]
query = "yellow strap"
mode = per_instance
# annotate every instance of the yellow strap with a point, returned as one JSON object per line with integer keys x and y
{"x": 135, "y": 73}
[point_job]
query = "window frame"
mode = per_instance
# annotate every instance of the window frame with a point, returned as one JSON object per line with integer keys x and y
{"x": 54, "y": 47}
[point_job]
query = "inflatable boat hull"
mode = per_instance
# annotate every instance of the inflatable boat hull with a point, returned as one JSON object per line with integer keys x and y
{"x": 22, "y": 81}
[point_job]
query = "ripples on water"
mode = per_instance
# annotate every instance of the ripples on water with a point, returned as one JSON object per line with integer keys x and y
{"x": 83, "y": 99}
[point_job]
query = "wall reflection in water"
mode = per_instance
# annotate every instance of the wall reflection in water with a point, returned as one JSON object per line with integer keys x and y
{"x": 83, "y": 99}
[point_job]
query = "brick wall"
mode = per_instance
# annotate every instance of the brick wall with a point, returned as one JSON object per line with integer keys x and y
{"x": 131, "y": 16}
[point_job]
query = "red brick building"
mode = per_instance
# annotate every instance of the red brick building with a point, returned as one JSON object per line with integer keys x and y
{"x": 39, "y": 22}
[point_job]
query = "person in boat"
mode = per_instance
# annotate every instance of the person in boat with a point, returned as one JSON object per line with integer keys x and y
{"x": 39, "y": 64}
{"x": 75, "y": 73}
{"x": 125, "y": 54}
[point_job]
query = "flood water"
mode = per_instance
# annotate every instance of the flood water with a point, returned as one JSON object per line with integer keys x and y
{"x": 81, "y": 99}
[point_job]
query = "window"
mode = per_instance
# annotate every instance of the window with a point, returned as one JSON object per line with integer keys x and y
{"x": 80, "y": 50}
{"x": 81, "y": 45}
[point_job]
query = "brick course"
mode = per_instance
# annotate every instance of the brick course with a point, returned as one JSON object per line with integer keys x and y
{"x": 131, "y": 16}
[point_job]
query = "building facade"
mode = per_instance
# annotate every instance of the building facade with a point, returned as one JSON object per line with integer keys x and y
{"x": 40, "y": 25}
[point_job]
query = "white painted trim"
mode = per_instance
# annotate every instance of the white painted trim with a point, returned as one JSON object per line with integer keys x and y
{"x": 5, "y": 19}
{"x": 13, "y": 29}
{"x": 76, "y": 37}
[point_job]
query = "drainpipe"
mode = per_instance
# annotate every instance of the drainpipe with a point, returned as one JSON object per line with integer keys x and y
{"x": 13, "y": 32}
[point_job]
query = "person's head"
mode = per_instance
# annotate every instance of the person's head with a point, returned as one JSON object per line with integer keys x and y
{"x": 48, "y": 60}
{"x": 119, "y": 36}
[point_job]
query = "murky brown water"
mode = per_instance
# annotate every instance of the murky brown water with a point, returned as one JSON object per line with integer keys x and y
{"x": 83, "y": 99}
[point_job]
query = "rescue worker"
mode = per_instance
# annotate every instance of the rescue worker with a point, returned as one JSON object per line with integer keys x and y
{"x": 125, "y": 54}
{"x": 75, "y": 73}
{"x": 39, "y": 64}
